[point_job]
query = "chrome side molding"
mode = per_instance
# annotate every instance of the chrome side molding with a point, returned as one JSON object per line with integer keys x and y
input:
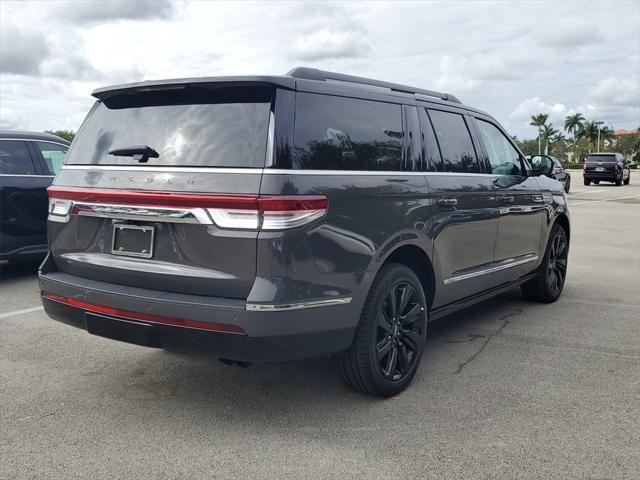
{"x": 495, "y": 267}
{"x": 268, "y": 307}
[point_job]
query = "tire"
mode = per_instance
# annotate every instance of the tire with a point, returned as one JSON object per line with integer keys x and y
{"x": 619, "y": 181}
{"x": 547, "y": 286}
{"x": 567, "y": 186}
{"x": 596, "y": 182}
{"x": 628, "y": 180}
{"x": 384, "y": 356}
{"x": 587, "y": 182}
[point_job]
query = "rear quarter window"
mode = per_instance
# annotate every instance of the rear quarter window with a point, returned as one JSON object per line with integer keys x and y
{"x": 337, "y": 133}
{"x": 454, "y": 139}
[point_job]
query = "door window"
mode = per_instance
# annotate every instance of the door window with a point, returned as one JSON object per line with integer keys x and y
{"x": 15, "y": 158}
{"x": 53, "y": 155}
{"x": 503, "y": 157}
{"x": 337, "y": 133}
{"x": 456, "y": 146}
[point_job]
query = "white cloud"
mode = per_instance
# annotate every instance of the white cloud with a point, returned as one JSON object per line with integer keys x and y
{"x": 327, "y": 43}
{"x": 510, "y": 62}
{"x": 617, "y": 92}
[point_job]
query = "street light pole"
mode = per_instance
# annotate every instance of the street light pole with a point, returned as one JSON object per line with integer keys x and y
{"x": 598, "y": 123}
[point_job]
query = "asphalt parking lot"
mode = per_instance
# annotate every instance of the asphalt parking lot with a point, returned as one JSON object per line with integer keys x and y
{"x": 507, "y": 389}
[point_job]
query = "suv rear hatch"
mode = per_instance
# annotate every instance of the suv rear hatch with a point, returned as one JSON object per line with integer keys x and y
{"x": 601, "y": 163}
{"x": 160, "y": 189}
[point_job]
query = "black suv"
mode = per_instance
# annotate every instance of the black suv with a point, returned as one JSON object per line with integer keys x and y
{"x": 271, "y": 218}
{"x": 610, "y": 167}
{"x": 28, "y": 162}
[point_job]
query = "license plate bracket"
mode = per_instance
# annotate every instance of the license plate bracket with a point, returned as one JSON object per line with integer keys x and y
{"x": 132, "y": 240}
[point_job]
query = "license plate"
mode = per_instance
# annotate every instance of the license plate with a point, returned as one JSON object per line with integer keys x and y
{"x": 599, "y": 169}
{"x": 132, "y": 241}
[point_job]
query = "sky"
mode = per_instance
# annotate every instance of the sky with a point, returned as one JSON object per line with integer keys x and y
{"x": 511, "y": 59}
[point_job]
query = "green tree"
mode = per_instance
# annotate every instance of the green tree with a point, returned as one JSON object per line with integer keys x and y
{"x": 607, "y": 135}
{"x": 590, "y": 133}
{"x": 558, "y": 145}
{"x": 546, "y": 132}
{"x": 574, "y": 124}
{"x": 539, "y": 121}
{"x": 66, "y": 134}
{"x": 629, "y": 145}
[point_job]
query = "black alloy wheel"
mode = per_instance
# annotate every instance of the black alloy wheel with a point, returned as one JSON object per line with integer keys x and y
{"x": 548, "y": 284}
{"x": 399, "y": 332}
{"x": 389, "y": 340}
{"x": 557, "y": 263}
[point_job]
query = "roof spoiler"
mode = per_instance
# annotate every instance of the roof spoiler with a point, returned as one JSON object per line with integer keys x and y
{"x": 322, "y": 75}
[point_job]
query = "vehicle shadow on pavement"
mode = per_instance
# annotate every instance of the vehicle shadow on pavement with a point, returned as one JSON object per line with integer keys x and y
{"x": 202, "y": 388}
{"x": 18, "y": 271}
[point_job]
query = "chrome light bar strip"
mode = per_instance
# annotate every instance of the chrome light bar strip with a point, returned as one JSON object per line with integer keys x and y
{"x": 135, "y": 212}
{"x": 267, "y": 307}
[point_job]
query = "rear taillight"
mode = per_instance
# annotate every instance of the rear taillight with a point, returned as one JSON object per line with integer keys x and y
{"x": 232, "y": 211}
{"x": 584, "y": 166}
{"x": 618, "y": 166}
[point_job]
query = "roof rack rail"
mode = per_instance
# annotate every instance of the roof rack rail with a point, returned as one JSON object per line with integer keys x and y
{"x": 322, "y": 75}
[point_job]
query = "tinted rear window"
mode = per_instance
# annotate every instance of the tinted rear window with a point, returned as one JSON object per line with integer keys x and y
{"x": 601, "y": 158}
{"x": 336, "y": 133}
{"x": 15, "y": 158}
{"x": 194, "y": 128}
{"x": 458, "y": 153}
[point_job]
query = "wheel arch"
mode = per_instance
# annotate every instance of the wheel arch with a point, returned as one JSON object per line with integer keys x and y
{"x": 415, "y": 258}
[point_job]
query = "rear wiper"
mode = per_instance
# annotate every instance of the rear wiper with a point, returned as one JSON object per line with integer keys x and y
{"x": 141, "y": 153}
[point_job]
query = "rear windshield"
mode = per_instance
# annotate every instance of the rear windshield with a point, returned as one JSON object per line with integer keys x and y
{"x": 194, "y": 127}
{"x": 601, "y": 158}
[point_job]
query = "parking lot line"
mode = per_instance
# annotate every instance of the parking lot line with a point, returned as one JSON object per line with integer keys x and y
{"x": 20, "y": 312}
{"x": 604, "y": 200}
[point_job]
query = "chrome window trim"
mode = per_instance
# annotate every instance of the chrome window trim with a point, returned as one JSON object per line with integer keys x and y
{"x": 268, "y": 171}
{"x": 35, "y": 140}
{"x": 503, "y": 265}
{"x": 166, "y": 169}
{"x": 24, "y": 175}
{"x": 267, "y": 307}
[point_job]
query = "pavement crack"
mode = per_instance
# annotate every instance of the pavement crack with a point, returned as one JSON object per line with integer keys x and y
{"x": 484, "y": 344}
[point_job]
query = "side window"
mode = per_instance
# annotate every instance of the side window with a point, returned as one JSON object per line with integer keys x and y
{"x": 431, "y": 152}
{"x": 15, "y": 158}
{"x": 456, "y": 146}
{"x": 335, "y": 133}
{"x": 53, "y": 155}
{"x": 503, "y": 157}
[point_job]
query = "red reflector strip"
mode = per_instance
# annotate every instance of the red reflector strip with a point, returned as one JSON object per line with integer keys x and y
{"x": 148, "y": 317}
{"x": 281, "y": 203}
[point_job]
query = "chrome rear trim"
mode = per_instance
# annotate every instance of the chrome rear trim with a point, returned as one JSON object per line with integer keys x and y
{"x": 136, "y": 212}
{"x": 267, "y": 307}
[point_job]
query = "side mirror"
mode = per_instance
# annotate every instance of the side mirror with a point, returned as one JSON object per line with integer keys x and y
{"x": 541, "y": 165}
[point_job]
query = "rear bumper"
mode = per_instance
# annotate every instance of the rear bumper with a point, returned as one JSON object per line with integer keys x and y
{"x": 216, "y": 326}
{"x": 611, "y": 176}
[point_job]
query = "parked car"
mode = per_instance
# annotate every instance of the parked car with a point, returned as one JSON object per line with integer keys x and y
{"x": 28, "y": 162}
{"x": 554, "y": 167}
{"x": 610, "y": 167}
{"x": 197, "y": 215}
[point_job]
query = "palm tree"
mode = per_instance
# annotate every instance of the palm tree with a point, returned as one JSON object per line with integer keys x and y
{"x": 606, "y": 134}
{"x": 547, "y": 131}
{"x": 574, "y": 124}
{"x": 590, "y": 132}
{"x": 539, "y": 121}
{"x": 557, "y": 139}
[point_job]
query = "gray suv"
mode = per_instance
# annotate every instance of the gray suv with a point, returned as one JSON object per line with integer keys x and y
{"x": 271, "y": 218}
